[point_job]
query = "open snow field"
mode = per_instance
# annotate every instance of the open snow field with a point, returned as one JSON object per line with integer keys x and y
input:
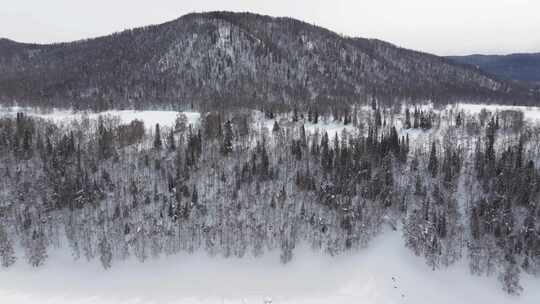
{"x": 168, "y": 118}
{"x": 529, "y": 113}
{"x": 384, "y": 273}
{"x": 150, "y": 118}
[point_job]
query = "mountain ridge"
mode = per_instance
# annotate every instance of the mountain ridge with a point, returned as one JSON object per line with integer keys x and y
{"x": 223, "y": 59}
{"x": 516, "y": 66}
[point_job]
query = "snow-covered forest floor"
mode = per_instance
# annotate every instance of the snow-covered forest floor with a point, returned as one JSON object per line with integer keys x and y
{"x": 150, "y": 118}
{"x": 167, "y": 118}
{"x": 385, "y": 272}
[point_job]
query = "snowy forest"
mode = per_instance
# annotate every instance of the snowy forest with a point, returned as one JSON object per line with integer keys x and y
{"x": 457, "y": 185}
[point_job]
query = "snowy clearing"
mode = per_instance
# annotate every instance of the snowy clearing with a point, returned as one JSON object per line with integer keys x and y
{"x": 331, "y": 127}
{"x": 530, "y": 113}
{"x": 168, "y": 118}
{"x": 150, "y": 118}
{"x": 384, "y": 273}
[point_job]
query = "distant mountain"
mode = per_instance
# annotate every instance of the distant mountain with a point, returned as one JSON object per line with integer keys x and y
{"x": 226, "y": 59}
{"x": 520, "y": 67}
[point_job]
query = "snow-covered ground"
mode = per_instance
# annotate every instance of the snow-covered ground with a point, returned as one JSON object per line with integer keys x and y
{"x": 529, "y": 113}
{"x": 168, "y": 118}
{"x": 384, "y": 273}
{"x": 284, "y": 121}
{"x": 150, "y": 118}
{"x": 331, "y": 127}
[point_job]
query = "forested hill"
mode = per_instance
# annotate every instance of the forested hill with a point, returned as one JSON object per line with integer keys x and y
{"x": 521, "y": 67}
{"x": 224, "y": 58}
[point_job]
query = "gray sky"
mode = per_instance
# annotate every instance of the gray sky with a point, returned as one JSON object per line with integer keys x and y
{"x": 444, "y": 27}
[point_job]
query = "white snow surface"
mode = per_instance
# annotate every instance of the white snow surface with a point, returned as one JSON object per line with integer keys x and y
{"x": 330, "y": 126}
{"x": 529, "y": 113}
{"x": 384, "y": 273}
{"x": 150, "y": 118}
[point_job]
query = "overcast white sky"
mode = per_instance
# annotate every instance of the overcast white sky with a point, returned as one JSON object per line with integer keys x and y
{"x": 444, "y": 27}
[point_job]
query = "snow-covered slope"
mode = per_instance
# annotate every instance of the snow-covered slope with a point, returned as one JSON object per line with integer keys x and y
{"x": 384, "y": 273}
{"x": 242, "y": 57}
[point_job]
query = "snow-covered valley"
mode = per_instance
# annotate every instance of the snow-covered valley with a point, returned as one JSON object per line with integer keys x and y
{"x": 384, "y": 273}
{"x": 150, "y": 118}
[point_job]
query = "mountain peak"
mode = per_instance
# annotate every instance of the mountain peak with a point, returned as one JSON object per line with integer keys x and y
{"x": 250, "y": 59}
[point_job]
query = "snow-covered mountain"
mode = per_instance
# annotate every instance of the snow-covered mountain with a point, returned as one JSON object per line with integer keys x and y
{"x": 225, "y": 59}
